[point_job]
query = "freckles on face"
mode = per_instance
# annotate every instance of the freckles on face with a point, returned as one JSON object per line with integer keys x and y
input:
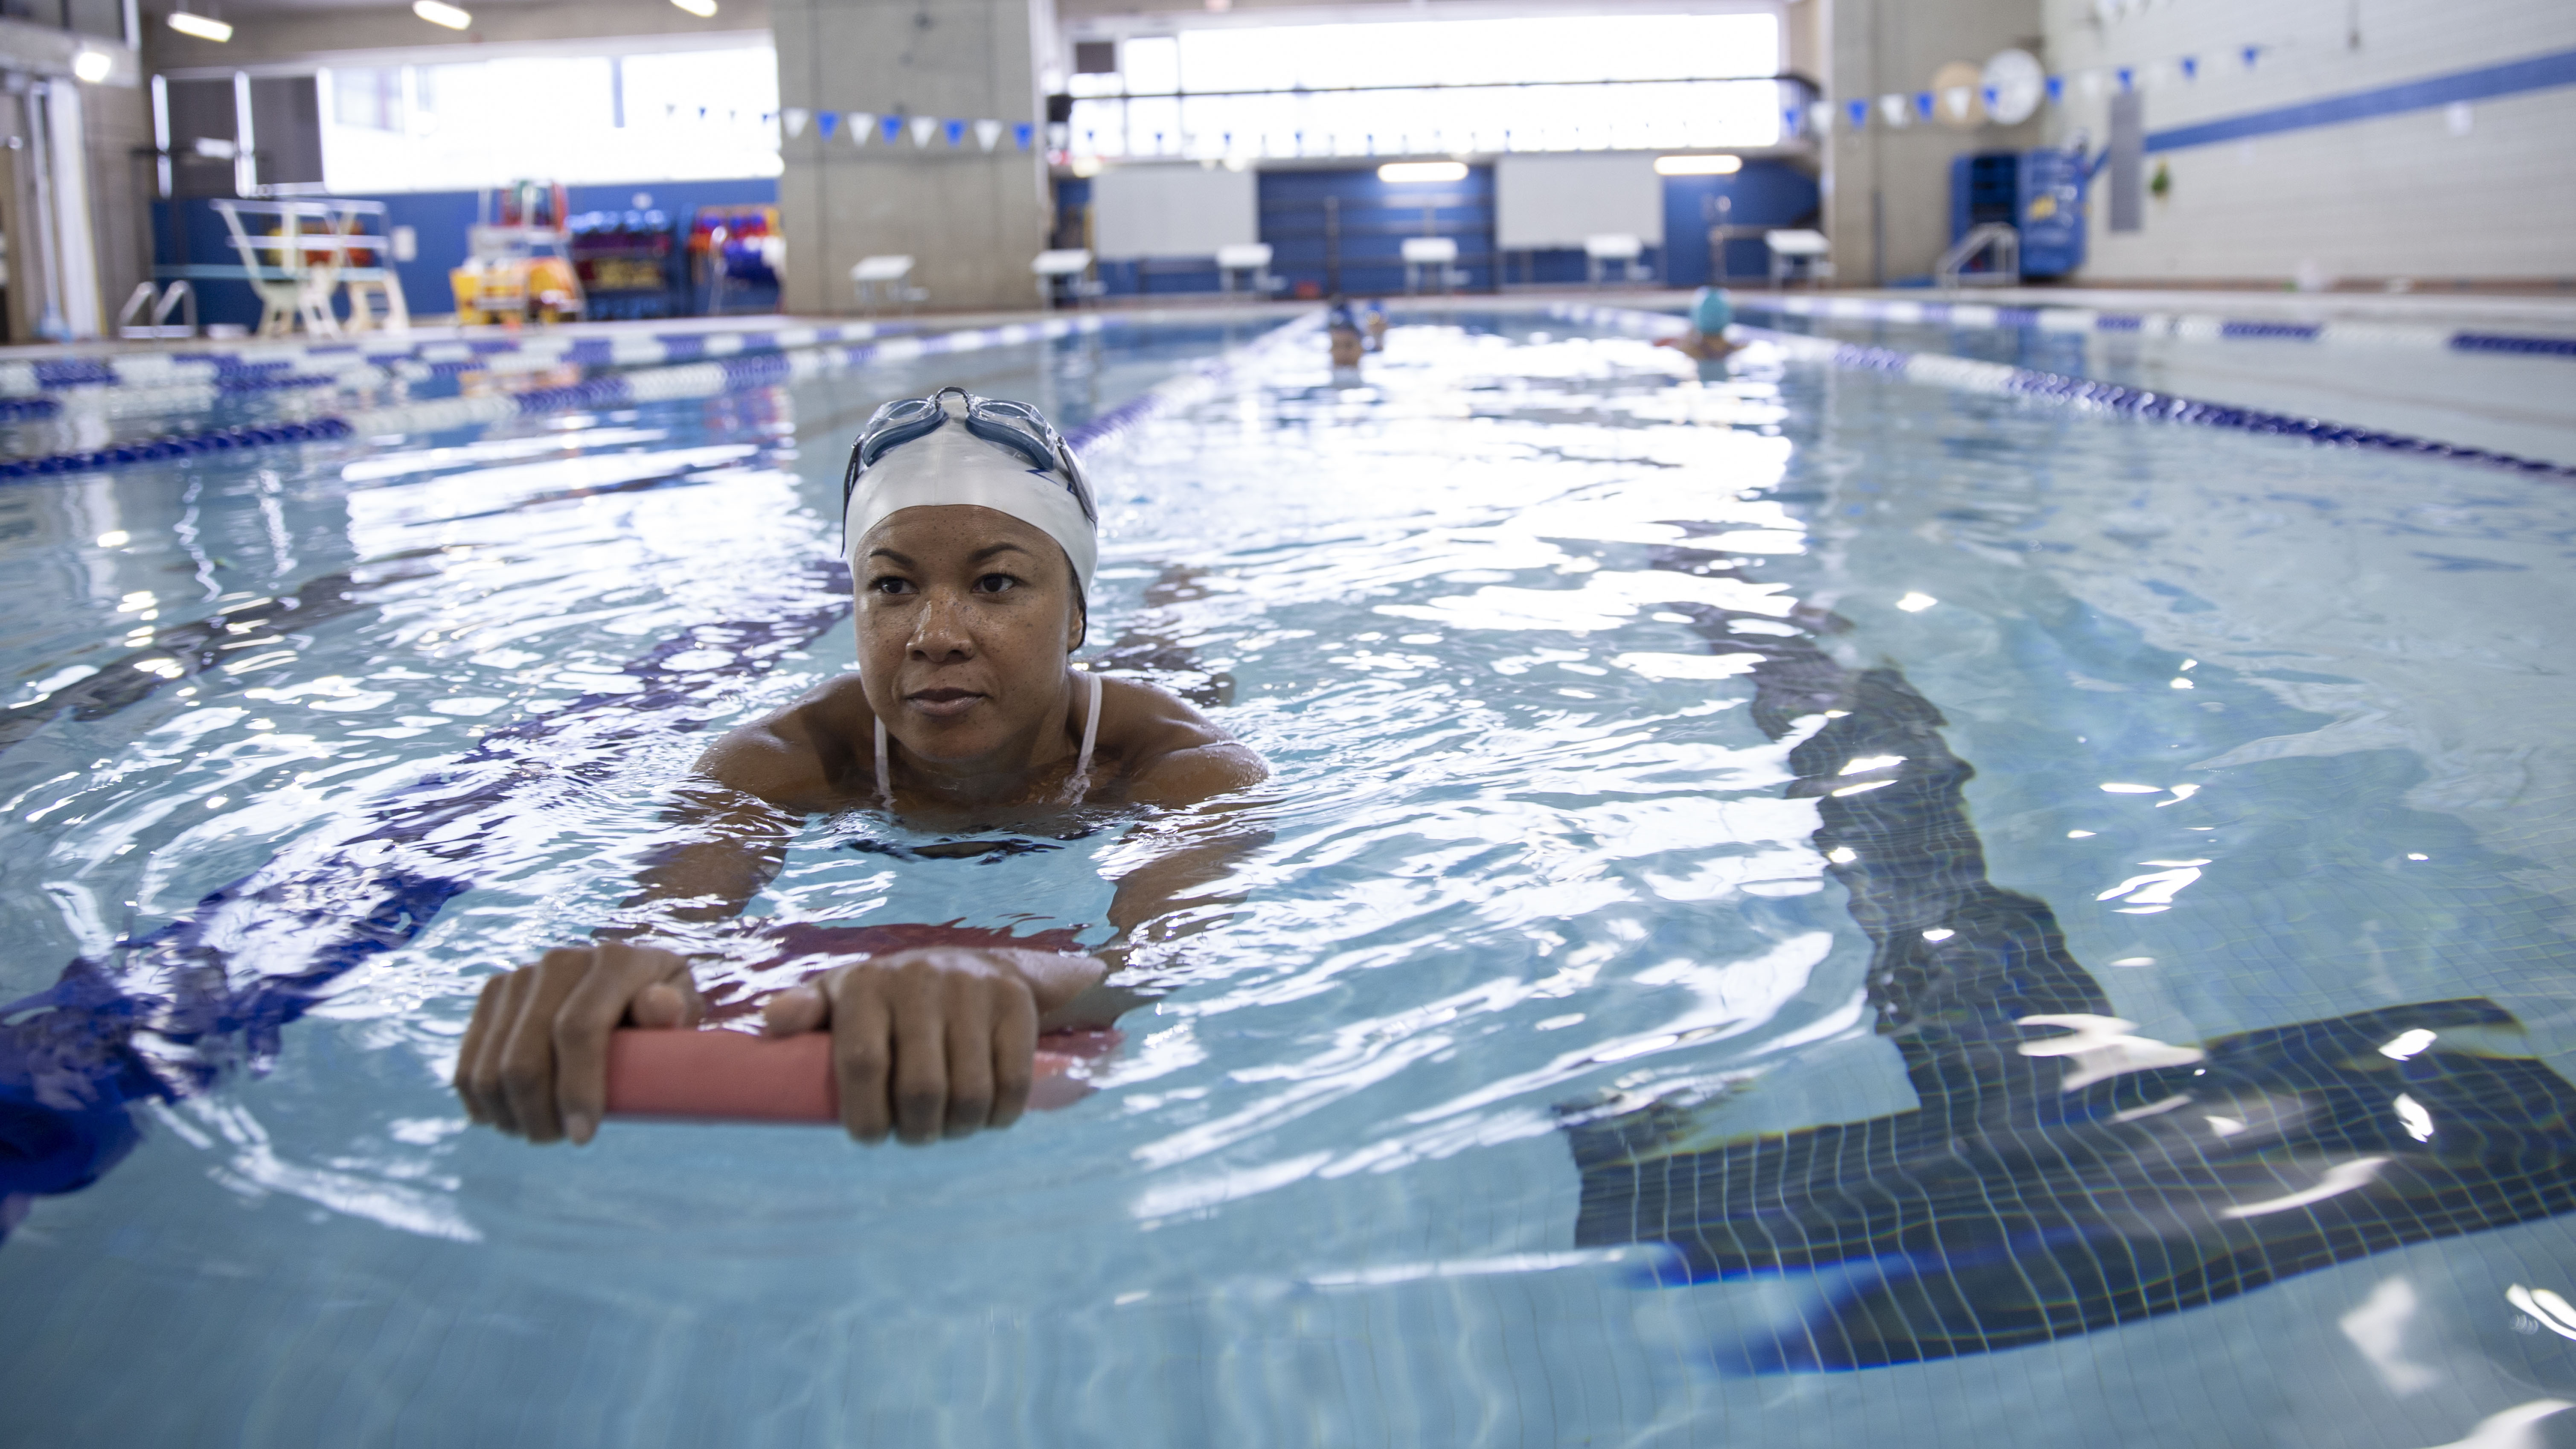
{"x": 965, "y": 616}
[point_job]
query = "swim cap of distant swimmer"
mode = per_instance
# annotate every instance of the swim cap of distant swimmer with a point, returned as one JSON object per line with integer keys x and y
{"x": 1711, "y": 313}
{"x": 953, "y": 447}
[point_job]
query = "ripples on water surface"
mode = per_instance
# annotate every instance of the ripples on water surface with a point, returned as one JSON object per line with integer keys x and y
{"x": 2276, "y": 731}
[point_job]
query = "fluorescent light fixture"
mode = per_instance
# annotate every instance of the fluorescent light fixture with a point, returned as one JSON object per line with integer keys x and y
{"x": 92, "y": 66}
{"x": 703, "y": 9}
{"x": 1403, "y": 171}
{"x": 1698, "y": 165}
{"x": 200, "y": 27}
{"x": 438, "y": 14}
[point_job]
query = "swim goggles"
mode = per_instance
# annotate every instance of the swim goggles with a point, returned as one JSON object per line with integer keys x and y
{"x": 1014, "y": 425}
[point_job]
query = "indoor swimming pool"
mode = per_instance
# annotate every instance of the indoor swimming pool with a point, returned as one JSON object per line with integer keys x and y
{"x": 1798, "y": 907}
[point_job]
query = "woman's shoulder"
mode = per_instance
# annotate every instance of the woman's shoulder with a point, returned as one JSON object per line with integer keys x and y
{"x": 801, "y": 755}
{"x": 1168, "y": 752}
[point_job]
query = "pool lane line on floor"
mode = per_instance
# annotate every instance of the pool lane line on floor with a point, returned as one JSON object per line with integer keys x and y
{"x": 2188, "y": 326}
{"x": 174, "y": 1011}
{"x": 2001, "y": 380}
{"x": 2058, "y": 1175}
{"x": 612, "y": 390}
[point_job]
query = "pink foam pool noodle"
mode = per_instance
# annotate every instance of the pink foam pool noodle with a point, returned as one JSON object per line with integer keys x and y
{"x": 731, "y": 1076}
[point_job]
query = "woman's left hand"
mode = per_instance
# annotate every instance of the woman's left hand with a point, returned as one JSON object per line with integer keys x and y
{"x": 935, "y": 1042}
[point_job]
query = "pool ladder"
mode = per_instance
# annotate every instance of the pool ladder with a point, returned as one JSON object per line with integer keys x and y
{"x": 1998, "y": 243}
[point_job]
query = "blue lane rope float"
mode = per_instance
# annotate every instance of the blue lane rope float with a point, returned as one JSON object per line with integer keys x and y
{"x": 741, "y": 368}
{"x": 1969, "y": 375}
{"x": 27, "y": 378}
{"x": 175, "y": 1009}
{"x": 154, "y": 383}
{"x": 2190, "y": 326}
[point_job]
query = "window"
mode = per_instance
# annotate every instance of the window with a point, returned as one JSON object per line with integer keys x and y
{"x": 1525, "y": 84}
{"x": 655, "y": 116}
{"x": 371, "y": 99}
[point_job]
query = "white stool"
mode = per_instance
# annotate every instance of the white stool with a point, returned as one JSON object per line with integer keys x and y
{"x": 1252, "y": 260}
{"x": 1600, "y": 251}
{"x": 1063, "y": 273}
{"x": 1426, "y": 256}
{"x": 892, "y": 274}
{"x": 1792, "y": 249}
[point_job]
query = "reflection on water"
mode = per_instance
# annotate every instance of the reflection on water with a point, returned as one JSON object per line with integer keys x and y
{"x": 1612, "y": 807}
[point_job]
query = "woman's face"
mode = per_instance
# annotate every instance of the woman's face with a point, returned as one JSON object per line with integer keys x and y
{"x": 965, "y": 617}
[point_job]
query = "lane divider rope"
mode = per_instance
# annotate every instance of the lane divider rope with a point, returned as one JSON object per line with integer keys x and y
{"x": 2190, "y": 326}
{"x": 1968, "y": 375}
{"x": 270, "y": 365}
{"x": 612, "y": 390}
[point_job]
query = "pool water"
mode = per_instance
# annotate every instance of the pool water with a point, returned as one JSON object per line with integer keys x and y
{"x": 1620, "y": 853}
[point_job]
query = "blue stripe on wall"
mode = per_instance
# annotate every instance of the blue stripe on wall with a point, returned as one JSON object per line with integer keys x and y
{"x": 2538, "y": 73}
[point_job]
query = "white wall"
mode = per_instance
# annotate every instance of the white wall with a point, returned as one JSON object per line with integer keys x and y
{"x": 1557, "y": 201}
{"x": 1173, "y": 211}
{"x": 2409, "y": 195}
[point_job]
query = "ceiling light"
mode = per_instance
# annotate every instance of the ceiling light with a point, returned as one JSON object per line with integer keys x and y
{"x": 438, "y": 14}
{"x": 1403, "y": 171}
{"x": 1698, "y": 165}
{"x": 703, "y": 9}
{"x": 92, "y": 66}
{"x": 199, "y": 26}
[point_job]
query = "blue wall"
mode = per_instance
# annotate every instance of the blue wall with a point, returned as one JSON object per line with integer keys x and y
{"x": 1376, "y": 217}
{"x": 440, "y": 218}
{"x": 1765, "y": 194}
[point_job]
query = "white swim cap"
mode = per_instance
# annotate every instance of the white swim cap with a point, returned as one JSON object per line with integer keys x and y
{"x": 950, "y": 464}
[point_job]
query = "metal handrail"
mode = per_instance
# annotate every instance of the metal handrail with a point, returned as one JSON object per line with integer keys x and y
{"x": 158, "y": 304}
{"x": 1999, "y": 242}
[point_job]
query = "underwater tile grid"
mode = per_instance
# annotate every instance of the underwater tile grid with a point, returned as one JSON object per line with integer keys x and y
{"x": 1800, "y": 905}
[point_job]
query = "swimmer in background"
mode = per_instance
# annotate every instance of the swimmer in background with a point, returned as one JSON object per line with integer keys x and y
{"x": 1373, "y": 322}
{"x": 971, "y": 534}
{"x": 1342, "y": 326}
{"x": 1711, "y": 314}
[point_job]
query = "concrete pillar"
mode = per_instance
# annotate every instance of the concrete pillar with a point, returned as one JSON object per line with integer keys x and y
{"x": 971, "y": 219}
{"x": 1887, "y": 193}
{"x": 117, "y": 124}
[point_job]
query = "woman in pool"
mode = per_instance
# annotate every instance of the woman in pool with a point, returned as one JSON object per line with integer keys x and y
{"x": 972, "y": 541}
{"x": 1711, "y": 314}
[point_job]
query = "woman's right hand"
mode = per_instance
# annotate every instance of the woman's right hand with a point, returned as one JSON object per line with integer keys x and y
{"x": 934, "y": 1042}
{"x": 535, "y": 1059}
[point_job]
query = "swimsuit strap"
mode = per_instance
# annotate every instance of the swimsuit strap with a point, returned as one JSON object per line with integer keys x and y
{"x": 885, "y": 774}
{"x": 1081, "y": 781}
